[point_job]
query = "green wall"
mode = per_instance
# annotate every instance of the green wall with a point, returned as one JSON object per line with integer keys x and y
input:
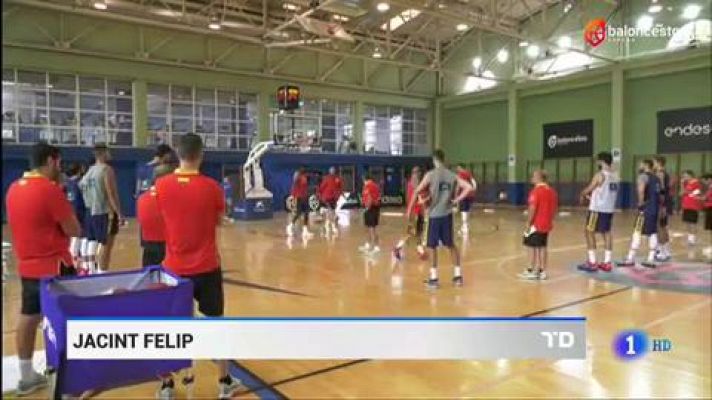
{"x": 644, "y": 97}
{"x": 476, "y": 133}
{"x": 665, "y": 82}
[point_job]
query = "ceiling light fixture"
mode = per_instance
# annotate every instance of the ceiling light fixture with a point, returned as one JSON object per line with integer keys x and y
{"x": 691, "y": 11}
{"x": 564, "y": 42}
{"x": 477, "y": 62}
{"x": 523, "y": 44}
{"x": 100, "y": 5}
{"x": 655, "y": 8}
{"x": 462, "y": 27}
{"x": 383, "y": 7}
{"x": 214, "y": 23}
{"x": 533, "y": 51}
{"x": 377, "y": 53}
{"x": 503, "y": 56}
{"x": 645, "y": 22}
{"x": 290, "y": 6}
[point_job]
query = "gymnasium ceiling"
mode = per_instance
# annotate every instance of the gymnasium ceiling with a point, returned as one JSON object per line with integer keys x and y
{"x": 457, "y": 44}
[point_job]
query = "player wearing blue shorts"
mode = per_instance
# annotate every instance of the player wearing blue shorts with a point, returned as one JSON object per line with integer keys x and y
{"x": 602, "y": 194}
{"x": 646, "y": 223}
{"x": 663, "y": 252}
{"x": 443, "y": 184}
{"x": 103, "y": 208}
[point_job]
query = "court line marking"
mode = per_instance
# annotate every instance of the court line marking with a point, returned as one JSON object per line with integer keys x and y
{"x": 306, "y": 375}
{"x": 576, "y": 302}
{"x": 254, "y": 383}
{"x": 250, "y": 285}
{"x": 676, "y": 313}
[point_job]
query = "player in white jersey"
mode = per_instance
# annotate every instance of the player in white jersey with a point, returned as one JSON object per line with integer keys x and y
{"x": 602, "y": 194}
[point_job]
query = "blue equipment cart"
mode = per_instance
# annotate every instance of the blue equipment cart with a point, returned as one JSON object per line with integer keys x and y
{"x": 93, "y": 296}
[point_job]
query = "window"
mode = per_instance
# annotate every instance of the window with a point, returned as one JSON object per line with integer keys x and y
{"x": 66, "y": 109}
{"x": 329, "y": 122}
{"x": 224, "y": 118}
{"x": 395, "y": 130}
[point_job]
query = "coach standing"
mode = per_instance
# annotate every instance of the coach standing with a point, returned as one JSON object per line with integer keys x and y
{"x": 192, "y": 206}
{"x": 41, "y": 221}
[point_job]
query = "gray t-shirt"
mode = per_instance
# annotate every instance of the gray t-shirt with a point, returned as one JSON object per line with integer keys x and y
{"x": 96, "y": 199}
{"x": 443, "y": 183}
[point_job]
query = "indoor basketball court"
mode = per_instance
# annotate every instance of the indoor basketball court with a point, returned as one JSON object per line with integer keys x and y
{"x": 384, "y": 166}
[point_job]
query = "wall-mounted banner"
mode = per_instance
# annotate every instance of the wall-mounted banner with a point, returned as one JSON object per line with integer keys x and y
{"x": 685, "y": 130}
{"x": 568, "y": 139}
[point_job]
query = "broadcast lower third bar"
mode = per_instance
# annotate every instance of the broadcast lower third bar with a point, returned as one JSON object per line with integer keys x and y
{"x": 324, "y": 338}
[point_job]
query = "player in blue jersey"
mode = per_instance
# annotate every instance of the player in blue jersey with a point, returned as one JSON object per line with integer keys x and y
{"x": 646, "y": 223}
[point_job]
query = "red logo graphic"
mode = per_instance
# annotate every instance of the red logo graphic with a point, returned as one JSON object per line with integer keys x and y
{"x": 595, "y": 32}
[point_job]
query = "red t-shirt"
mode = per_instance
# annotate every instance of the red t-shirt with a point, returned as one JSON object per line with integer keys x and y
{"x": 467, "y": 176}
{"x": 690, "y": 193}
{"x": 149, "y": 217}
{"x": 418, "y": 207}
{"x": 330, "y": 188}
{"x": 545, "y": 201}
{"x": 35, "y": 208}
{"x": 191, "y": 206}
{"x": 300, "y": 187}
{"x": 371, "y": 195}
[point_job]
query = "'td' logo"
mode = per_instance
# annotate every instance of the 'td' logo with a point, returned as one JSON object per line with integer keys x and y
{"x": 595, "y": 32}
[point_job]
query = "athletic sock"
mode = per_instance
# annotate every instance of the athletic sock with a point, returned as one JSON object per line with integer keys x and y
{"x": 631, "y": 255}
{"x": 691, "y": 238}
{"x": 651, "y": 256}
{"x": 592, "y": 256}
{"x": 458, "y": 271}
{"x": 433, "y": 273}
{"x": 607, "y": 256}
{"x": 26, "y": 369}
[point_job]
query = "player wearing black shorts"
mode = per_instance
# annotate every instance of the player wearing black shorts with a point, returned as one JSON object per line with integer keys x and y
{"x": 192, "y": 206}
{"x": 41, "y": 221}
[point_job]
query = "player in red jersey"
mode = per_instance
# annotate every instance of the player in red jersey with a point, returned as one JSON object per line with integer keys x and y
{"x": 707, "y": 180}
{"x": 466, "y": 205}
{"x": 543, "y": 202}
{"x": 415, "y": 232}
{"x": 692, "y": 202}
{"x": 41, "y": 220}
{"x": 330, "y": 189}
{"x": 148, "y": 215}
{"x": 192, "y": 207}
{"x": 371, "y": 198}
{"x": 300, "y": 196}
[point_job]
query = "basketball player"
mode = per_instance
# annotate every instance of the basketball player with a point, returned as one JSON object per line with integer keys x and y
{"x": 330, "y": 190}
{"x": 152, "y": 236}
{"x": 466, "y": 204}
{"x": 663, "y": 252}
{"x": 163, "y": 155}
{"x": 707, "y": 180}
{"x": 646, "y": 224}
{"x": 543, "y": 202}
{"x": 192, "y": 207}
{"x": 74, "y": 195}
{"x": 420, "y": 200}
{"x": 371, "y": 198}
{"x": 691, "y": 204}
{"x": 602, "y": 194}
{"x": 300, "y": 193}
{"x": 41, "y": 221}
{"x": 443, "y": 185}
{"x": 103, "y": 208}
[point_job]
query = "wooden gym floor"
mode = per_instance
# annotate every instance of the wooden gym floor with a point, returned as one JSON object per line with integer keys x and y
{"x": 265, "y": 277}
